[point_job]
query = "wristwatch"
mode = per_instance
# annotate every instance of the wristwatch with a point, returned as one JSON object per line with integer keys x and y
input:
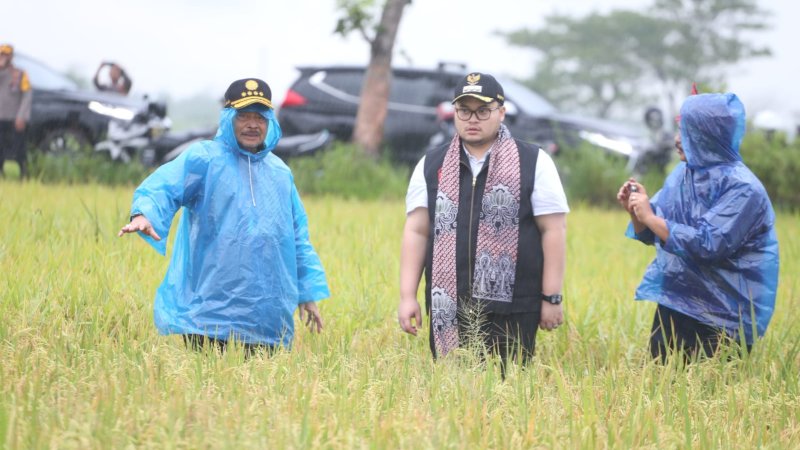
{"x": 554, "y": 299}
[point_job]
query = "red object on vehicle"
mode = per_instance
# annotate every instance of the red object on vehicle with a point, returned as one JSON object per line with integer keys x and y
{"x": 445, "y": 111}
{"x": 293, "y": 99}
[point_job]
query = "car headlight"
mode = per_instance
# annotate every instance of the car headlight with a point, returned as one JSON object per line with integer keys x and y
{"x": 615, "y": 145}
{"x": 116, "y": 112}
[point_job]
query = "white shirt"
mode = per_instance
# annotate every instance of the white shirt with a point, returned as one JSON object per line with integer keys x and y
{"x": 547, "y": 198}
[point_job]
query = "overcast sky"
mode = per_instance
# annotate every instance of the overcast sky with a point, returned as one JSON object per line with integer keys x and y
{"x": 184, "y": 47}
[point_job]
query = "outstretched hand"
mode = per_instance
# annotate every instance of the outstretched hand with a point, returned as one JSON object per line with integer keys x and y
{"x": 309, "y": 313}
{"x": 140, "y": 223}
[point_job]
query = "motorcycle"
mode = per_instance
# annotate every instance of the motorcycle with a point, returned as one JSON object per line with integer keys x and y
{"x": 127, "y": 140}
{"x": 151, "y": 142}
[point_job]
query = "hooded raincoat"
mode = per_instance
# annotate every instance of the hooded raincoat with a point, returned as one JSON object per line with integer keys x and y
{"x": 242, "y": 260}
{"x": 720, "y": 262}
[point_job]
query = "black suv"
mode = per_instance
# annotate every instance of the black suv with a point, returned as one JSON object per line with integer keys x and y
{"x": 65, "y": 117}
{"x": 420, "y": 113}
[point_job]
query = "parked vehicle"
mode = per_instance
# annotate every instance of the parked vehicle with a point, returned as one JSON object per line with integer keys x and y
{"x": 65, "y": 117}
{"x": 420, "y": 112}
{"x": 170, "y": 145}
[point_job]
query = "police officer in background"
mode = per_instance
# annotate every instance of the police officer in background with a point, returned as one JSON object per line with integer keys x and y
{"x": 15, "y": 110}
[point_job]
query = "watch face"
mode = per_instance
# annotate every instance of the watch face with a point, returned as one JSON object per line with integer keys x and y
{"x": 555, "y": 299}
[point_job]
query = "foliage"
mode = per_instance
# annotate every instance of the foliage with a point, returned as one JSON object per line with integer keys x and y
{"x": 590, "y": 63}
{"x": 610, "y": 60}
{"x": 356, "y": 15}
{"x": 777, "y": 165}
{"x": 83, "y": 366}
{"x": 346, "y": 171}
{"x": 592, "y": 176}
{"x": 81, "y": 168}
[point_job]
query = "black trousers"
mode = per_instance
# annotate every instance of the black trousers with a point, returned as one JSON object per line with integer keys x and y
{"x": 12, "y": 143}
{"x": 198, "y": 341}
{"x": 673, "y": 332}
{"x": 510, "y": 336}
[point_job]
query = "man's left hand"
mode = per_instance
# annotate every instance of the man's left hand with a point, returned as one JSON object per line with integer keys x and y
{"x": 309, "y": 313}
{"x": 19, "y": 124}
{"x": 640, "y": 205}
{"x": 552, "y": 316}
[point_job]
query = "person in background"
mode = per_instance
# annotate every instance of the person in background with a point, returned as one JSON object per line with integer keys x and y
{"x": 715, "y": 275}
{"x": 15, "y": 110}
{"x": 486, "y": 220}
{"x": 243, "y": 261}
{"x": 111, "y": 77}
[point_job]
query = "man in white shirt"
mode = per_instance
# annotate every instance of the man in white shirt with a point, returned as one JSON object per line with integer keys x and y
{"x": 486, "y": 219}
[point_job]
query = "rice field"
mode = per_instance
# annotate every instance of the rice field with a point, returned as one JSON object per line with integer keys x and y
{"x": 82, "y": 366}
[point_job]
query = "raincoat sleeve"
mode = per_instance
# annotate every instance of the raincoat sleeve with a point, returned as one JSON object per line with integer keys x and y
{"x": 646, "y": 236}
{"x": 720, "y": 232}
{"x": 165, "y": 191}
{"x": 311, "y": 282}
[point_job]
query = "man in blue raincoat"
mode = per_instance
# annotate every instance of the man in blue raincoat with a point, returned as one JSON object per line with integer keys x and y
{"x": 242, "y": 261}
{"x": 715, "y": 275}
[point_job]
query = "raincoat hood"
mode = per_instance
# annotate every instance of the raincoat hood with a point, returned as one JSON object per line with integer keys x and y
{"x": 712, "y": 127}
{"x": 227, "y": 135}
{"x": 720, "y": 262}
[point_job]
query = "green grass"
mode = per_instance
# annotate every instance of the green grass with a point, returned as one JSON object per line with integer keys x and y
{"x": 82, "y": 366}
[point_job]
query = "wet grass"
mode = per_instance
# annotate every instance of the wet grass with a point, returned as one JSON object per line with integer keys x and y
{"x": 81, "y": 364}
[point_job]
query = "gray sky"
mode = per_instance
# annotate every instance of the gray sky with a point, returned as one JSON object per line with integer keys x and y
{"x": 184, "y": 47}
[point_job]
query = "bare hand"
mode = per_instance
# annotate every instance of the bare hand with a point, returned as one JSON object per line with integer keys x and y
{"x": 140, "y": 223}
{"x": 19, "y": 124}
{"x": 409, "y": 316}
{"x": 552, "y": 316}
{"x": 639, "y": 204}
{"x": 629, "y": 187}
{"x": 312, "y": 317}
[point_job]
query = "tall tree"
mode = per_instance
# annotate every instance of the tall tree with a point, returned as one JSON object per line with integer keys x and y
{"x": 706, "y": 38}
{"x": 623, "y": 58}
{"x": 372, "y": 109}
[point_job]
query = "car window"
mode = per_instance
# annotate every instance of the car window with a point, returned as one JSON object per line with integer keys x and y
{"x": 415, "y": 90}
{"x": 43, "y": 77}
{"x": 525, "y": 99}
{"x": 349, "y": 82}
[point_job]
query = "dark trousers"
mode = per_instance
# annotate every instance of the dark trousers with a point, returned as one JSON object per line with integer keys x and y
{"x": 676, "y": 332}
{"x": 198, "y": 341}
{"x": 509, "y": 336}
{"x": 12, "y": 143}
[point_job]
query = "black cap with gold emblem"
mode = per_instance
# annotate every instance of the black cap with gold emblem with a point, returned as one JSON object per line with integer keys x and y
{"x": 481, "y": 86}
{"x": 246, "y": 92}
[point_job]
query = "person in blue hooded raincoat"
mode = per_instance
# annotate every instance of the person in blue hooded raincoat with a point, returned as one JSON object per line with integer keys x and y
{"x": 242, "y": 261}
{"x": 715, "y": 274}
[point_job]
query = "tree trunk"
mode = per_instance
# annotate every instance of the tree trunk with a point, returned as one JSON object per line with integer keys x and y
{"x": 368, "y": 130}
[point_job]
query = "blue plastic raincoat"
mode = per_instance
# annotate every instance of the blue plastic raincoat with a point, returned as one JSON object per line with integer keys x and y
{"x": 242, "y": 260}
{"x": 720, "y": 262}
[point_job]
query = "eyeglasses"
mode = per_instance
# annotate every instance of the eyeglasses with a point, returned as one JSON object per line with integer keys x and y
{"x": 481, "y": 113}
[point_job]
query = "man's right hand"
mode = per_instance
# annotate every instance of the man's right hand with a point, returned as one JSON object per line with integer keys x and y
{"x": 140, "y": 223}
{"x": 624, "y": 194}
{"x": 409, "y": 316}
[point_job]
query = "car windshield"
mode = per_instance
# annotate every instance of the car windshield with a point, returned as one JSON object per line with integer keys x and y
{"x": 525, "y": 99}
{"x": 43, "y": 77}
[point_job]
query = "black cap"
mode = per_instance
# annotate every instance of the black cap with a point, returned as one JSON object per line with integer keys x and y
{"x": 248, "y": 91}
{"x": 481, "y": 86}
